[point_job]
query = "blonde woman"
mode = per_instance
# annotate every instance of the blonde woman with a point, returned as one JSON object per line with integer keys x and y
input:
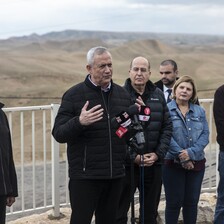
{"x": 184, "y": 166}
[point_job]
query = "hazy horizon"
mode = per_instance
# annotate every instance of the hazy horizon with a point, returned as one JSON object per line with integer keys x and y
{"x": 22, "y": 17}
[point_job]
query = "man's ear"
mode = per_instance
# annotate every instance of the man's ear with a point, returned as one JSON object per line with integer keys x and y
{"x": 88, "y": 67}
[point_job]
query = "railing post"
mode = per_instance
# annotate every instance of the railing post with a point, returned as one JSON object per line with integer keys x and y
{"x": 55, "y": 166}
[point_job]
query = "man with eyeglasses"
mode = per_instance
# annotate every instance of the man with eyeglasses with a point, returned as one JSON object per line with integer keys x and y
{"x": 169, "y": 74}
{"x": 147, "y": 164}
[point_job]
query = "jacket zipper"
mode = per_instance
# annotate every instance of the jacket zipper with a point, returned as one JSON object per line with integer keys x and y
{"x": 108, "y": 121}
{"x": 84, "y": 160}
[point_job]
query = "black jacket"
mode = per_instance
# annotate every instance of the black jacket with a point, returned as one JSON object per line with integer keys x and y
{"x": 218, "y": 110}
{"x": 8, "y": 178}
{"x": 94, "y": 151}
{"x": 159, "y": 129}
{"x": 159, "y": 84}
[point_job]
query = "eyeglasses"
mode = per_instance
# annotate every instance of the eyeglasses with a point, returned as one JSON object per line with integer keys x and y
{"x": 135, "y": 69}
{"x": 165, "y": 73}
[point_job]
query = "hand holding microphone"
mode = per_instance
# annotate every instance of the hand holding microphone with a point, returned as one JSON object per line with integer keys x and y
{"x": 139, "y": 101}
{"x": 144, "y": 111}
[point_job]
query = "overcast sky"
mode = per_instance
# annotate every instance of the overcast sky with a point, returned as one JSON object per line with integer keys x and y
{"x": 24, "y": 17}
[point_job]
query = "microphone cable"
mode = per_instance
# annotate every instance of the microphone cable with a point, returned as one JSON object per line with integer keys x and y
{"x": 142, "y": 189}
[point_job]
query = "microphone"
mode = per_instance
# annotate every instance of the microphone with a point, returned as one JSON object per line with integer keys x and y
{"x": 133, "y": 110}
{"x": 144, "y": 114}
{"x": 122, "y": 121}
{"x": 137, "y": 141}
{"x": 129, "y": 122}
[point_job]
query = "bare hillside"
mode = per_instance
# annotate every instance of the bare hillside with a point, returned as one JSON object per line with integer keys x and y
{"x": 44, "y": 67}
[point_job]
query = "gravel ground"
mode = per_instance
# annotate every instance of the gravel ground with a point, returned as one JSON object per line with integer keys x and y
{"x": 42, "y": 216}
{"x": 38, "y": 193}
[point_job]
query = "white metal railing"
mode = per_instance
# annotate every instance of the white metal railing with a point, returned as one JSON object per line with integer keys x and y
{"x": 36, "y": 156}
{"x": 211, "y": 174}
{"x": 42, "y": 166}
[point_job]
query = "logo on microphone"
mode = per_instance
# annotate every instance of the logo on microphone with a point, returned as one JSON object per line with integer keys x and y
{"x": 147, "y": 110}
{"x": 121, "y": 131}
{"x": 123, "y": 119}
{"x": 144, "y": 114}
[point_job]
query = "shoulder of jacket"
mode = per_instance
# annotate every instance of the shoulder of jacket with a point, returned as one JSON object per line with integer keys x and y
{"x": 198, "y": 108}
{"x": 159, "y": 84}
{"x": 1, "y": 105}
{"x": 115, "y": 85}
{"x": 220, "y": 90}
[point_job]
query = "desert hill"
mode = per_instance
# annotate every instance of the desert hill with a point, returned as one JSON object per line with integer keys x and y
{"x": 37, "y": 69}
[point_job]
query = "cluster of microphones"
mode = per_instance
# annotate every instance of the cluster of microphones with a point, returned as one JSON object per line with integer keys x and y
{"x": 130, "y": 125}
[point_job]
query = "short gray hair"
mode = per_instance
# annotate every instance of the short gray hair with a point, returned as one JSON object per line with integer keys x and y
{"x": 95, "y": 51}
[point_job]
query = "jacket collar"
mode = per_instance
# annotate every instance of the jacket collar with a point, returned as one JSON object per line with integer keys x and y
{"x": 93, "y": 86}
{"x": 173, "y": 105}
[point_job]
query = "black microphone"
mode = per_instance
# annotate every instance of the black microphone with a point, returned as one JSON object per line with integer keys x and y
{"x": 129, "y": 122}
{"x": 138, "y": 139}
{"x": 122, "y": 121}
{"x": 143, "y": 113}
{"x": 133, "y": 110}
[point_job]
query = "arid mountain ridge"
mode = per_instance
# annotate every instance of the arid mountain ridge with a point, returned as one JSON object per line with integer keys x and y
{"x": 114, "y": 37}
{"x": 37, "y": 69}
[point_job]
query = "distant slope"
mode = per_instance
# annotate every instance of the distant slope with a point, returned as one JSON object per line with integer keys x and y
{"x": 45, "y": 66}
{"x": 113, "y": 38}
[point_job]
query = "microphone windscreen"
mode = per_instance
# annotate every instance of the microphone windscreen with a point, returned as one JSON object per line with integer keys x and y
{"x": 133, "y": 110}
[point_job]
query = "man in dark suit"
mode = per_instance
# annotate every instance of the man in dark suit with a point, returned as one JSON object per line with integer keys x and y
{"x": 169, "y": 74}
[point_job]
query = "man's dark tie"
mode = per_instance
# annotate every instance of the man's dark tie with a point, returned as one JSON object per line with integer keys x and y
{"x": 169, "y": 95}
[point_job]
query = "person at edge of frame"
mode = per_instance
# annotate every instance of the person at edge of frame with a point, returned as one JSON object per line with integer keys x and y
{"x": 157, "y": 136}
{"x": 8, "y": 177}
{"x": 218, "y": 111}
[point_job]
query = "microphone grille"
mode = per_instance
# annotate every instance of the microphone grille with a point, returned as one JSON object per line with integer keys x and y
{"x": 133, "y": 109}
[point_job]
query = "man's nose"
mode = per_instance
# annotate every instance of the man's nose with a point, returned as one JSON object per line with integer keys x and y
{"x": 139, "y": 72}
{"x": 107, "y": 68}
